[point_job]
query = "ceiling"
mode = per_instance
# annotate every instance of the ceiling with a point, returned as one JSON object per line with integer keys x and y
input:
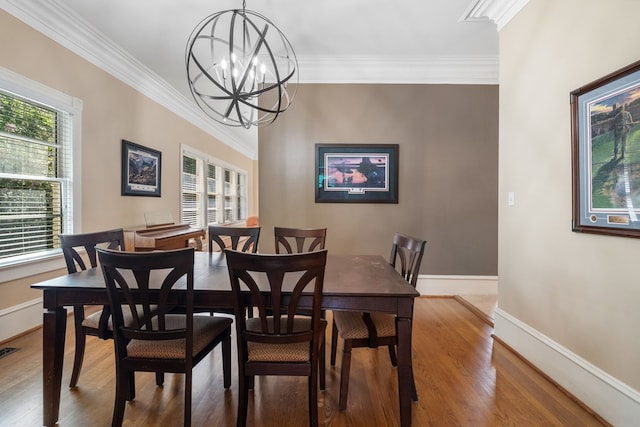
{"x": 335, "y": 41}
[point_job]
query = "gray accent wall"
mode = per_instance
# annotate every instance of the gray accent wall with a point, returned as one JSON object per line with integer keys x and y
{"x": 448, "y": 170}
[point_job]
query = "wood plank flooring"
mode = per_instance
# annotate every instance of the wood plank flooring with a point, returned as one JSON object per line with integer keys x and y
{"x": 463, "y": 379}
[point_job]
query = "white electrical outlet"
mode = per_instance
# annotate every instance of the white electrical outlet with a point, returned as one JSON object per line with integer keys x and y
{"x": 511, "y": 198}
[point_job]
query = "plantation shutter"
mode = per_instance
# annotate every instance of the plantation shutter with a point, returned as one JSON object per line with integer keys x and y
{"x": 191, "y": 179}
{"x": 212, "y": 192}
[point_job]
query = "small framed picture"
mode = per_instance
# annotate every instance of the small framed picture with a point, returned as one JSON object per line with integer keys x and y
{"x": 356, "y": 173}
{"x": 605, "y": 140}
{"x": 141, "y": 170}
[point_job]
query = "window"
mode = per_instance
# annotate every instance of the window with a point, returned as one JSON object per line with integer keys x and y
{"x": 212, "y": 191}
{"x": 36, "y": 166}
{"x": 212, "y": 195}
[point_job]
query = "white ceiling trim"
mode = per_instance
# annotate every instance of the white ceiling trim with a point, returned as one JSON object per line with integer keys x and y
{"x": 400, "y": 70}
{"x": 499, "y": 11}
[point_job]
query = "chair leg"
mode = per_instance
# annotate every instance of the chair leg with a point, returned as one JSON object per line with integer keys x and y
{"x": 118, "y": 413}
{"x": 414, "y": 391}
{"x": 226, "y": 361}
{"x": 322, "y": 361}
{"x": 334, "y": 342}
{"x": 159, "y": 378}
{"x": 122, "y": 395}
{"x": 392, "y": 355}
{"x": 81, "y": 338}
{"x": 344, "y": 374}
{"x": 129, "y": 386}
{"x": 188, "y": 384}
{"x": 313, "y": 398}
{"x": 243, "y": 400}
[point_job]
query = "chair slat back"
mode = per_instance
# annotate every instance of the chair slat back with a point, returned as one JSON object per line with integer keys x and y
{"x": 72, "y": 245}
{"x": 409, "y": 250}
{"x": 129, "y": 276}
{"x": 248, "y": 236}
{"x": 299, "y": 240}
{"x": 276, "y": 284}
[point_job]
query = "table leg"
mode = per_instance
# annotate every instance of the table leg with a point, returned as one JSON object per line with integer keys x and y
{"x": 53, "y": 334}
{"x": 405, "y": 370}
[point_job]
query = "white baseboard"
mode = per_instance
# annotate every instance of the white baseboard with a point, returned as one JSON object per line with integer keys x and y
{"x": 20, "y": 318}
{"x": 457, "y": 285}
{"x": 611, "y": 399}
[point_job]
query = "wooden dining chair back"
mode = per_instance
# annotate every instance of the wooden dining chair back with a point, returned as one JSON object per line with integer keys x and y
{"x": 243, "y": 239}
{"x": 373, "y": 330}
{"x": 406, "y": 256}
{"x": 79, "y": 254}
{"x": 299, "y": 240}
{"x": 277, "y": 341}
{"x": 157, "y": 339}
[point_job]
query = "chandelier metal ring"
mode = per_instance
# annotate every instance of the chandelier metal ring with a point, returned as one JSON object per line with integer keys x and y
{"x": 235, "y": 58}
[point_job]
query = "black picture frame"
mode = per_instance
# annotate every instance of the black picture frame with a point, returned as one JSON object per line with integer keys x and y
{"x": 141, "y": 170}
{"x": 356, "y": 173}
{"x": 605, "y": 151}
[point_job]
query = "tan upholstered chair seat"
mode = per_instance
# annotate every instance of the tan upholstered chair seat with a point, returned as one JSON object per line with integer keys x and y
{"x": 351, "y": 325}
{"x": 205, "y": 329}
{"x": 93, "y": 320}
{"x": 294, "y": 352}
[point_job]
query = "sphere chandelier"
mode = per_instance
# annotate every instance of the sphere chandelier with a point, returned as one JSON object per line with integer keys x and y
{"x": 235, "y": 57}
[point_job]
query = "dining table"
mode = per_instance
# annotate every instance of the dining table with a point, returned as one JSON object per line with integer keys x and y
{"x": 352, "y": 282}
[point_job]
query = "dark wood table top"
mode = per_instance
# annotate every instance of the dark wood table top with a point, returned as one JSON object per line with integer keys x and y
{"x": 345, "y": 275}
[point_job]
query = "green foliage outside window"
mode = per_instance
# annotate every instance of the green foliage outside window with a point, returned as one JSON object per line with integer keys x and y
{"x": 30, "y": 194}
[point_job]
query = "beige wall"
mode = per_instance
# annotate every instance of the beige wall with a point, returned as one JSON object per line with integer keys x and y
{"x": 447, "y": 136}
{"x": 112, "y": 111}
{"x": 581, "y": 291}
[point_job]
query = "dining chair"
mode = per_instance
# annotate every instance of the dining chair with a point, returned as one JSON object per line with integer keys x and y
{"x": 298, "y": 240}
{"x": 79, "y": 254}
{"x": 158, "y": 340}
{"x": 373, "y": 329}
{"x": 277, "y": 341}
{"x": 244, "y": 239}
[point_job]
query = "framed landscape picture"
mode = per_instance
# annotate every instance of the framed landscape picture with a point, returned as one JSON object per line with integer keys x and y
{"x": 141, "y": 170}
{"x": 356, "y": 173}
{"x": 605, "y": 132}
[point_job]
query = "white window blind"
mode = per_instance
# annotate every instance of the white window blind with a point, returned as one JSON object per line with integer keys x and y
{"x": 36, "y": 194}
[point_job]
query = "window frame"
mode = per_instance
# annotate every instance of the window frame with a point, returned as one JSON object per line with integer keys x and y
{"x": 220, "y": 192}
{"x": 25, "y": 265}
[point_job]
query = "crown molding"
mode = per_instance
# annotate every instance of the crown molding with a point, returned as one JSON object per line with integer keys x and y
{"x": 63, "y": 26}
{"x": 499, "y": 11}
{"x": 400, "y": 70}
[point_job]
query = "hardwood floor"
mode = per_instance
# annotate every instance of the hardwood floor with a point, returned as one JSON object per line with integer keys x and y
{"x": 483, "y": 306}
{"x": 463, "y": 379}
